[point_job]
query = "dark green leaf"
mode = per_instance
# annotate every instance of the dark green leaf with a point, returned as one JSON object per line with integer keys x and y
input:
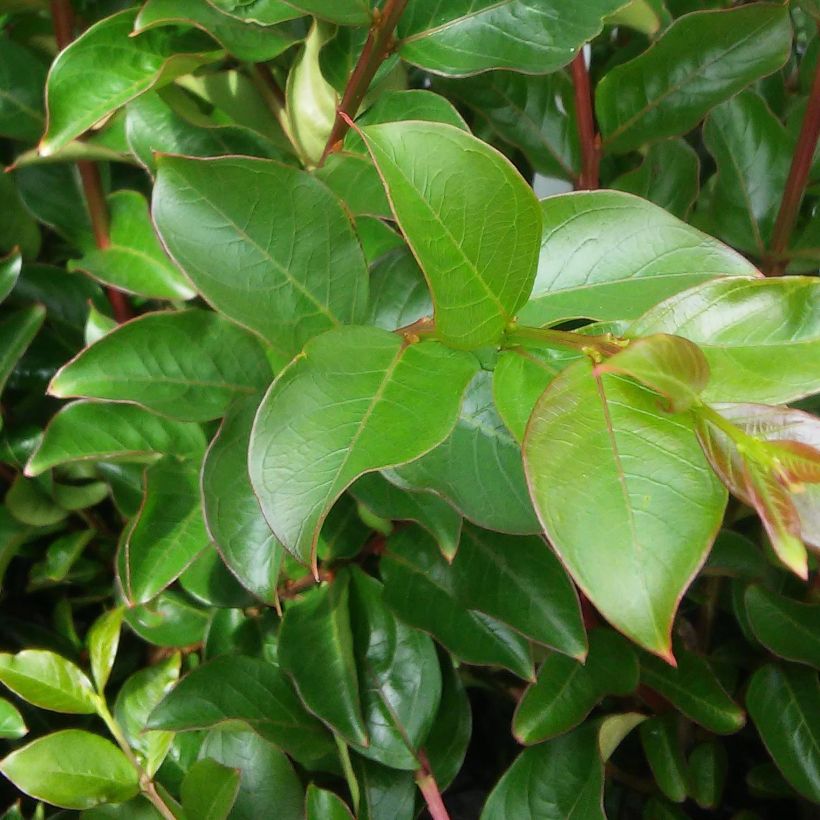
{"x": 322, "y": 804}
{"x": 170, "y": 620}
{"x": 16, "y": 333}
{"x": 209, "y": 790}
{"x": 22, "y": 78}
{"x": 708, "y": 765}
{"x": 385, "y": 794}
{"x": 661, "y": 741}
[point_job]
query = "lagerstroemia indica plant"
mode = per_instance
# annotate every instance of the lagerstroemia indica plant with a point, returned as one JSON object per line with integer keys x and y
{"x": 344, "y": 476}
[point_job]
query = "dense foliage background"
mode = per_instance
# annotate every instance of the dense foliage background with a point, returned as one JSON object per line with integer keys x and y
{"x": 472, "y": 552}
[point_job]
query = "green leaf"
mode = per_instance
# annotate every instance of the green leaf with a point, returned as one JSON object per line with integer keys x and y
{"x": 785, "y": 627}
{"x": 245, "y": 40}
{"x": 398, "y": 292}
{"x": 168, "y": 533}
{"x": 609, "y": 255}
{"x": 72, "y": 769}
{"x": 12, "y": 725}
{"x": 326, "y": 677}
{"x": 49, "y": 681}
{"x": 289, "y": 285}
{"x": 97, "y": 325}
{"x": 783, "y": 703}
{"x": 17, "y": 332}
{"x": 322, "y": 804}
{"x": 384, "y": 499}
{"x": 134, "y": 65}
{"x": 209, "y": 790}
{"x": 523, "y": 111}
{"x": 30, "y": 502}
{"x": 170, "y": 620}
{"x": 136, "y": 700}
{"x": 708, "y": 765}
{"x": 344, "y": 12}
{"x": 252, "y": 690}
{"x": 470, "y": 36}
{"x": 470, "y": 219}
{"x": 92, "y": 431}
{"x": 646, "y": 16}
{"x": 134, "y": 260}
{"x": 399, "y": 678}
{"x": 701, "y": 60}
{"x": 414, "y": 570}
{"x": 753, "y": 155}
{"x": 151, "y": 361}
{"x": 669, "y": 176}
{"x": 10, "y": 267}
{"x": 232, "y": 514}
{"x": 520, "y": 581}
{"x": 669, "y": 365}
{"x": 355, "y": 180}
{"x": 102, "y": 641}
{"x": 477, "y": 468}
{"x": 694, "y": 689}
{"x": 266, "y": 777}
{"x": 635, "y": 558}
{"x": 562, "y": 779}
{"x": 22, "y": 78}
{"x": 660, "y": 738}
{"x": 760, "y": 349}
{"x": 357, "y": 400}
{"x": 385, "y": 794}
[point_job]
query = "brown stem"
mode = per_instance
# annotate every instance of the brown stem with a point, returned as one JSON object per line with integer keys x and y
{"x": 429, "y": 790}
{"x": 291, "y": 589}
{"x": 796, "y": 183}
{"x": 62, "y": 17}
{"x": 590, "y": 141}
{"x": 376, "y": 48}
{"x": 266, "y": 80}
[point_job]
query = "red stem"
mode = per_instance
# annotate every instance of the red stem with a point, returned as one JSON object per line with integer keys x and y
{"x": 62, "y": 16}
{"x": 376, "y": 48}
{"x": 430, "y": 791}
{"x": 590, "y": 141}
{"x": 796, "y": 183}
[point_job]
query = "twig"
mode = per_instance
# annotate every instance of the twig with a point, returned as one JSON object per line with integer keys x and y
{"x": 590, "y": 141}
{"x": 290, "y": 589}
{"x": 376, "y": 48}
{"x": 429, "y": 789}
{"x": 796, "y": 183}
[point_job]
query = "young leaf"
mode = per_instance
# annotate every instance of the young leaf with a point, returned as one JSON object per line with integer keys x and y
{"x": 357, "y": 400}
{"x": 287, "y": 285}
{"x": 134, "y": 65}
{"x": 325, "y": 674}
{"x": 414, "y": 570}
{"x": 251, "y": 690}
{"x": 322, "y": 804}
{"x": 701, "y": 60}
{"x": 610, "y": 255}
{"x": 134, "y": 261}
{"x": 209, "y": 790}
{"x": 12, "y": 725}
{"x": 232, "y": 514}
{"x": 470, "y": 219}
{"x": 72, "y": 769}
{"x": 783, "y": 704}
{"x": 601, "y": 437}
{"x": 467, "y": 37}
{"x": 92, "y": 431}
{"x": 102, "y": 641}
{"x": 522, "y": 583}
{"x": 761, "y": 337}
{"x": 49, "y": 681}
{"x": 662, "y": 747}
{"x": 153, "y": 362}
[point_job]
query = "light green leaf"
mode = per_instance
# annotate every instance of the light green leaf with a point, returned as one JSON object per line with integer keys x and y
{"x": 470, "y": 219}
{"x": 102, "y": 640}
{"x": 609, "y": 255}
{"x": 701, "y": 60}
{"x": 72, "y": 769}
{"x": 209, "y": 790}
{"x": 187, "y": 365}
{"x": 646, "y": 16}
{"x": 29, "y": 501}
{"x": 761, "y": 337}
{"x": 134, "y": 260}
{"x": 345, "y": 12}
{"x": 288, "y": 285}
{"x": 12, "y": 725}
{"x": 134, "y": 65}
{"x": 602, "y": 437}
{"x": 97, "y": 431}
{"x": 49, "y": 681}
{"x": 97, "y": 325}
{"x": 22, "y": 78}
{"x": 357, "y": 400}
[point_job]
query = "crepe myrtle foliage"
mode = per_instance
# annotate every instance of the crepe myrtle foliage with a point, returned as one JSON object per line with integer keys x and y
{"x": 342, "y": 476}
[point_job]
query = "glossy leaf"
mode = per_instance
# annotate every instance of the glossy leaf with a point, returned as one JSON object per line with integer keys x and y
{"x": 471, "y": 221}
{"x": 12, "y": 725}
{"x": 322, "y": 804}
{"x": 72, "y": 769}
{"x": 170, "y": 620}
{"x": 16, "y": 333}
{"x": 783, "y": 704}
{"x": 151, "y": 361}
{"x": 214, "y": 217}
{"x": 701, "y": 60}
{"x": 10, "y": 267}
{"x": 763, "y": 350}
{"x": 610, "y": 255}
{"x": 645, "y": 470}
{"x": 356, "y": 401}
{"x": 102, "y": 640}
{"x": 209, "y": 790}
{"x": 660, "y": 738}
